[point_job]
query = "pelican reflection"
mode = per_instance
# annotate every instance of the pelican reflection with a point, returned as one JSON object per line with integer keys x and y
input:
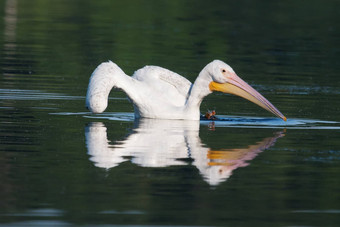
{"x": 162, "y": 143}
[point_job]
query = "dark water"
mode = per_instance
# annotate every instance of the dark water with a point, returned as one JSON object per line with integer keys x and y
{"x": 61, "y": 165}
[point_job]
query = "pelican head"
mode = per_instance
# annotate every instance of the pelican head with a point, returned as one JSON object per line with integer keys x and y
{"x": 225, "y": 80}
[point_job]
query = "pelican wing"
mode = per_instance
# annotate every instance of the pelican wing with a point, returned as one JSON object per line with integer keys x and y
{"x": 163, "y": 81}
{"x": 179, "y": 82}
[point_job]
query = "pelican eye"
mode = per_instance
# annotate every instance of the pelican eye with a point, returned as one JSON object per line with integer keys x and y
{"x": 223, "y": 71}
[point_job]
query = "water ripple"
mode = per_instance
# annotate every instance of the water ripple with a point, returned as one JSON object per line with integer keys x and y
{"x": 229, "y": 121}
{"x": 18, "y": 94}
{"x": 298, "y": 89}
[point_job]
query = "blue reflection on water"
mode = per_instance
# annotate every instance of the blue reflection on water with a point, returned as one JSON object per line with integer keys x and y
{"x": 234, "y": 121}
{"x": 257, "y": 122}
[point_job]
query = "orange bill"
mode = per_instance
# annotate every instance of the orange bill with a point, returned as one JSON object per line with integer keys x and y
{"x": 237, "y": 86}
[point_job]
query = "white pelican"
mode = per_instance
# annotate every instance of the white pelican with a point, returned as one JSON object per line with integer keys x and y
{"x": 159, "y": 93}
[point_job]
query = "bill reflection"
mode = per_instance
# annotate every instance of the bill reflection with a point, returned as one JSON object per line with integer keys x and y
{"x": 163, "y": 143}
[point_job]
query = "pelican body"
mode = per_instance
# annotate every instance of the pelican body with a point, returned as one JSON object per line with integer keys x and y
{"x": 160, "y": 93}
